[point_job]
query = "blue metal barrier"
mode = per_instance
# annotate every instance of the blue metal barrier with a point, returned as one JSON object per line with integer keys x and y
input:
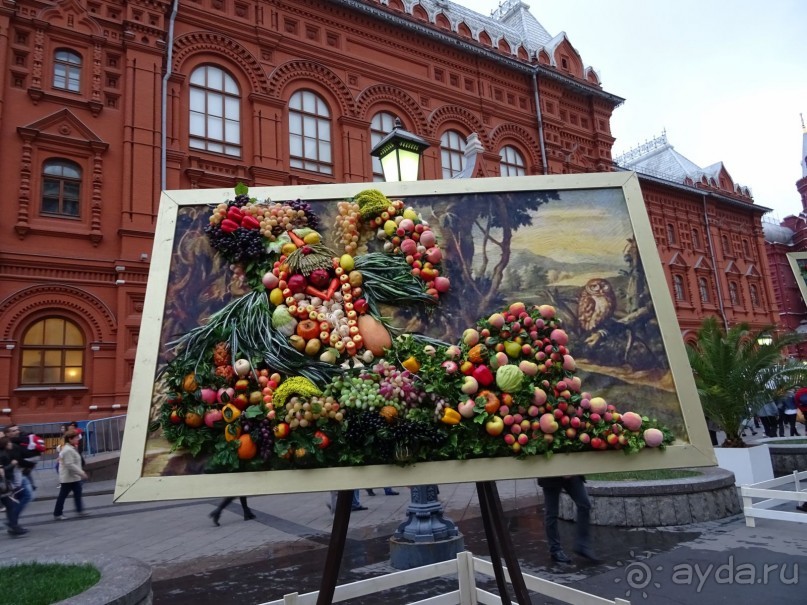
{"x": 102, "y": 435}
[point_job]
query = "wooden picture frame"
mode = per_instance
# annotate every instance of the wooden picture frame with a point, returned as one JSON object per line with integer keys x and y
{"x": 577, "y": 208}
{"x": 798, "y": 263}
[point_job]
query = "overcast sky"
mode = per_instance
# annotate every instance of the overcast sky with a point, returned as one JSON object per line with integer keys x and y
{"x": 727, "y": 79}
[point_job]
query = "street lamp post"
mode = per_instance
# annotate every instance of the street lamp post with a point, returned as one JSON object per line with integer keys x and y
{"x": 400, "y": 153}
{"x": 426, "y": 536}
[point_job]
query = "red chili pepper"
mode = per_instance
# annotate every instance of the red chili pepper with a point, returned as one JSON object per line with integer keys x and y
{"x": 228, "y": 226}
{"x": 235, "y": 214}
{"x": 296, "y": 240}
{"x": 250, "y": 222}
{"x": 332, "y": 288}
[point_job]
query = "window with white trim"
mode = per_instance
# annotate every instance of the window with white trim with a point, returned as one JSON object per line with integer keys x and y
{"x": 52, "y": 353}
{"x": 678, "y": 287}
{"x": 452, "y": 153}
{"x": 703, "y": 288}
{"x": 61, "y": 188}
{"x": 310, "y": 132}
{"x": 734, "y": 293}
{"x": 512, "y": 162}
{"x": 67, "y": 70}
{"x": 215, "y": 111}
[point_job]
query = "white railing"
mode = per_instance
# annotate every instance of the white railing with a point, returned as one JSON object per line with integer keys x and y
{"x": 770, "y": 498}
{"x": 464, "y": 567}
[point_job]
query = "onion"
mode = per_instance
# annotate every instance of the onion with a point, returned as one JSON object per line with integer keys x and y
{"x": 297, "y": 283}
{"x": 242, "y": 367}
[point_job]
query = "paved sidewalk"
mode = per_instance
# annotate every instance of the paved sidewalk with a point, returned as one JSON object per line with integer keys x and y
{"x": 250, "y": 562}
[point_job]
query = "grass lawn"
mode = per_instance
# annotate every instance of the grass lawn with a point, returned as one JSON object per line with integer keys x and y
{"x": 44, "y": 583}
{"x": 655, "y": 475}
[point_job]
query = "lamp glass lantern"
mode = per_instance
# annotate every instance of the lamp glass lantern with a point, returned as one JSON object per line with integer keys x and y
{"x": 400, "y": 153}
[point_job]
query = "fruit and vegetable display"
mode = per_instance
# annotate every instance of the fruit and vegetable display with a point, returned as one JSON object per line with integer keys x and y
{"x": 304, "y": 370}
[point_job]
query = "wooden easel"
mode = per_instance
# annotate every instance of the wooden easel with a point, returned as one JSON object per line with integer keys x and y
{"x": 495, "y": 530}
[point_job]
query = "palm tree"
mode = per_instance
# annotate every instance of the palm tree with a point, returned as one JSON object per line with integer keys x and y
{"x": 737, "y": 372}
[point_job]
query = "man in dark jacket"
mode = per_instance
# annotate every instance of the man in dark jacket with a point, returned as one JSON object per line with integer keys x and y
{"x": 27, "y": 454}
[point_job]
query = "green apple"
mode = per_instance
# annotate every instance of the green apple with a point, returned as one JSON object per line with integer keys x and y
{"x": 494, "y": 426}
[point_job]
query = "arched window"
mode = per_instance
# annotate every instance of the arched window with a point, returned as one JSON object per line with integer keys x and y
{"x": 61, "y": 188}
{"x": 703, "y": 288}
{"x": 696, "y": 239}
{"x": 380, "y": 126}
{"x": 754, "y": 295}
{"x": 678, "y": 287}
{"x": 734, "y": 293}
{"x": 310, "y": 132}
{"x": 67, "y": 70}
{"x": 215, "y": 111}
{"x": 512, "y": 162}
{"x": 452, "y": 153}
{"x": 52, "y": 353}
{"x": 670, "y": 234}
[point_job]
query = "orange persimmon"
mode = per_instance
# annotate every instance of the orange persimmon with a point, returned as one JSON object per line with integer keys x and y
{"x": 308, "y": 329}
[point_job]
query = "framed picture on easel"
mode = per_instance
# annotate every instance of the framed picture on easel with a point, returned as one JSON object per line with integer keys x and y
{"x": 334, "y": 337}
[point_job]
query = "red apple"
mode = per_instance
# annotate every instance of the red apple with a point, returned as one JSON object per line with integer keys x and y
{"x": 241, "y": 401}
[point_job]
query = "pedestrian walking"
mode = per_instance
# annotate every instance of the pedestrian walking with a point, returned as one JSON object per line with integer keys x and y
{"x": 12, "y": 491}
{"x": 769, "y": 415}
{"x": 71, "y": 475}
{"x": 216, "y": 514}
{"x": 575, "y": 486}
{"x": 789, "y": 412}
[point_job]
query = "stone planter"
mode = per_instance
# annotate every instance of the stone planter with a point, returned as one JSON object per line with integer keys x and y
{"x": 786, "y": 458}
{"x": 708, "y": 497}
{"x": 749, "y": 464}
{"x": 124, "y": 581}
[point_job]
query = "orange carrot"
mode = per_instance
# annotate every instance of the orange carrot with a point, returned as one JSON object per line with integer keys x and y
{"x": 332, "y": 288}
{"x": 312, "y": 291}
{"x": 295, "y": 239}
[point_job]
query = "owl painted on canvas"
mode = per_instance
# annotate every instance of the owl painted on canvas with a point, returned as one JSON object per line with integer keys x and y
{"x": 596, "y": 304}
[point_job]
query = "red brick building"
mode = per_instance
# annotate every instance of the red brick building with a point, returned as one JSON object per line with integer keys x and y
{"x": 709, "y": 235}
{"x": 780, "y": 239}
{"x": 104, "y": 103}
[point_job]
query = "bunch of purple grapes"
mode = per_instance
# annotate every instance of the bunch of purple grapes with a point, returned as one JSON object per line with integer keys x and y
{"x": 313, "y": 220}
{"x": 240, "y": 201}
{"x": 240, "y": 246}
{"x": 263, "y": 436}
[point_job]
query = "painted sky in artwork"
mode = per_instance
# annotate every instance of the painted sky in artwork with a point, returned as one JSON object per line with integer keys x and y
{"x": 590, "y": 227}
